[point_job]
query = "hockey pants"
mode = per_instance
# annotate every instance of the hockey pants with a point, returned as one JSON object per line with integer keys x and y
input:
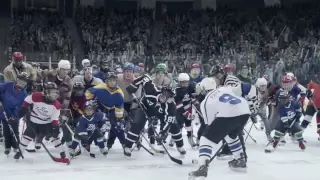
{"x": 263, "y": 114}
{"x": 184, "y": 121}
{"x": 97, "y": 137}
{"x": 227, "y": 130}
{"x": 202, "y": 128}
{"x": 114, "y": 132}
{"x": 274, "y": 117}
{"x": 139, "y": 123}
{"x": 295, "y": 130}
{"x": 34, "y": 130}
{"x": 9, "y": 140}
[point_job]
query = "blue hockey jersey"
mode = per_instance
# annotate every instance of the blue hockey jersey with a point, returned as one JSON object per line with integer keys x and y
{"x": 87, "y": 126}
{"x": 290, "y": 112}
{"x": 109, "y": 99}
{"x": 294, "y": 93}
{"x": 11, "y": 99}
{"x": 100, "y": 75}
{"x": 196, "y": 79}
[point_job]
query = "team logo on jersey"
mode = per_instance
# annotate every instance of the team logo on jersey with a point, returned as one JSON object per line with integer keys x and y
{"x": 186, "y": 97}
{"x": 42, "y": 111}
{"x": 91, "y": 127}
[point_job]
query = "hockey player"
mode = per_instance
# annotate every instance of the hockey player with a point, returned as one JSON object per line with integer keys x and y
{"x": 162, "y": 77}
{"x": 154, "y": 103}
{"x": 202, "y": 88}
{"x": 245, "y": 74}
{"x": 60, "y": 77}
{"x": 184, "y": 99}
{"x": 137, "y": 72}
{"x": 195, "y": 73}
{"x": 225, "y": 114}
{"x": 12, "y": 95}
{"x": 313, "y": 92}
{"x": 290, "y": 113}
{"x": 16, "y": 67}
{"x": 124, "y": 80}
{"x": 87, "y": 78}
{"x": 45, "y": 111}
{"x": 78, "y": 99}
{"x": 91, "y": 127}
{"x": 110, "y": 96}
{"x": 261, "y": 85}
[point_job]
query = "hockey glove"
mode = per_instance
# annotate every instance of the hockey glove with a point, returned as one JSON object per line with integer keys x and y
{"x": 254, "y": 118}
{"x": 105, "y": 127}
{"x": 309, "y": 94}
{"x": 64, "y": 119}
{"x": 55, "y": 128}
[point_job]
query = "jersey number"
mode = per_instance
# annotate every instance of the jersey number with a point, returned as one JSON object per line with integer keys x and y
{"x": 227, "y": 98}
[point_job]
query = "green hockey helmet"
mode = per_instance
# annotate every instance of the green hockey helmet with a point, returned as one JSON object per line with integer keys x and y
{"x": 161, "y": 68}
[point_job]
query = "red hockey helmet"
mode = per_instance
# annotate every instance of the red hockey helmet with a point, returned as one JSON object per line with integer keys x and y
{"x": 17, "y": 56}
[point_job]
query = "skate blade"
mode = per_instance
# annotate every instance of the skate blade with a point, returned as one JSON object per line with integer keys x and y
{"x": 241, "y": 170}
{"x": 196, "y": 178}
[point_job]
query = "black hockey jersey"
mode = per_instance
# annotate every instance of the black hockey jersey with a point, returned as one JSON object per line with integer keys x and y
{"x": 149, "y": 99}
{"x": 184, "y": 99}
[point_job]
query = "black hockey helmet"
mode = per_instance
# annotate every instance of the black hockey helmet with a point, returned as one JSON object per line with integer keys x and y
{"x": 166, "y": 93}
{"x": 89, "y": 108}
{"x": 112, "y": 79}
{"x": 51, "y": 91}
{"x": 283, "y": 97}
{"x": 78, "y": 88}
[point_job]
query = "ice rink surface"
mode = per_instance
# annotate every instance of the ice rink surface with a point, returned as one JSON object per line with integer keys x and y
{"x": 286, "y": 163}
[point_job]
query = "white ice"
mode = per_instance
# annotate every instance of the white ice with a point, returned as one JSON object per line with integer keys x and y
{"x": 286, "y": 163}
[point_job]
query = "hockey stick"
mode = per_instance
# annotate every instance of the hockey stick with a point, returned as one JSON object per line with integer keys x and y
{"x": 178, "y": 161}
{"x": 154, "y": 149}
{"x": 248, "y": 134}
{"x": 11, "y": 130}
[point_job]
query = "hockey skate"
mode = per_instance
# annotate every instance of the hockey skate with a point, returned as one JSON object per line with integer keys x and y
{"x": 201, "y": 173}
{"x": 191, "y": 142}
{"x": 301, "y": 145}
{"x": 104, "y": 151}
{"x": 171, "y": 142}
{"x": 269, "y": 138}
{"x": 37, "y": 146}
{"x": 7, "y": 151}
{"x": 127, "y": 151}
{"x": 239, "y": 165}
{"x": 181, "y": 150}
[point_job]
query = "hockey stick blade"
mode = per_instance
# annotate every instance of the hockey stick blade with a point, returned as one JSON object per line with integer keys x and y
{"x": 31, "y": 150}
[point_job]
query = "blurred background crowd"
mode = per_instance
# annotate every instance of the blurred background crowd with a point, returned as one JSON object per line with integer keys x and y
{"x": 268, "y": 40}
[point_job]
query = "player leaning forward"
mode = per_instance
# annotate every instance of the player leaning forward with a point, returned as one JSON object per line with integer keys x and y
{"x": 225, "y": 114}
{"x": 44, "y": 118}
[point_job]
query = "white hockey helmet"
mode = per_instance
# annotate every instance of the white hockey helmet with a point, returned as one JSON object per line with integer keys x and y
{"x": 64, "y": 64}
{"x": 85, "y": 63}
{"x": 183, "y": 77}
{"x": 232, "y": 80}
{"x": 208, "y": 84}
{"x": 261, "y": 84}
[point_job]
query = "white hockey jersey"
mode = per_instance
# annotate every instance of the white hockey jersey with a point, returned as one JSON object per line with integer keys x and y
{"x": 42, "y": 112}
{"x": 222, "y": 102}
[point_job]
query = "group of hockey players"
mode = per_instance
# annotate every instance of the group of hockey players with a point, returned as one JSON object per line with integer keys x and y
{"x": 98, "y": 105}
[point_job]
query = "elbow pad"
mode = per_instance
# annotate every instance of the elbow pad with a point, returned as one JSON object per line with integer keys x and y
{"x": 23, "y": 111}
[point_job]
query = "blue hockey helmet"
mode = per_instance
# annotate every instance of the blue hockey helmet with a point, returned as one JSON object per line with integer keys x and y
{"x": 89, "y": 108}
{"x": 128, "y": 66}
{"x": 112, "y": 79}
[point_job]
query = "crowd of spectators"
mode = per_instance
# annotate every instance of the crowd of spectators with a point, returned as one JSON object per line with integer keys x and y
{"x": 120, "y": 36}
{"x": 40, "y": 31}
{"x": 258, "y": 39}
{"x": 268, "y": 41}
